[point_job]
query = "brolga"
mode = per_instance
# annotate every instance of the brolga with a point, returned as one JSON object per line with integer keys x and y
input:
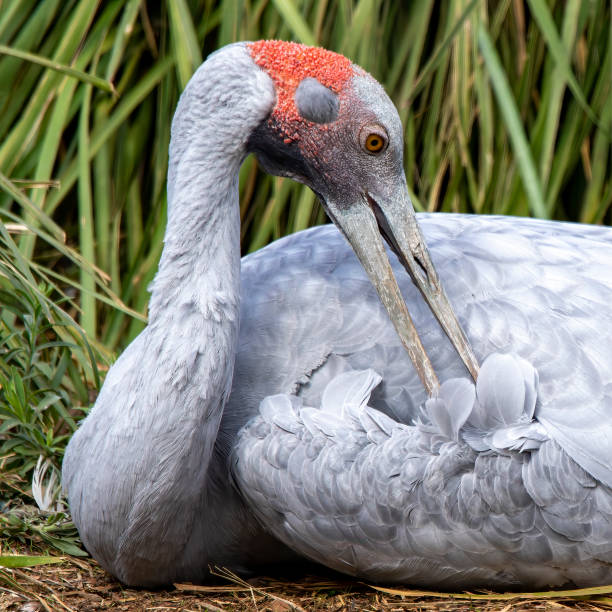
{"x": 270, "y": 411}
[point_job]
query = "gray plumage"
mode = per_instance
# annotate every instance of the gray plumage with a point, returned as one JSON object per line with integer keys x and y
{"x": 270, "y": 399}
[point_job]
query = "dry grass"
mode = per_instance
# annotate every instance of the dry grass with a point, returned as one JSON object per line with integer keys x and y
{"x": 80, "y": 584}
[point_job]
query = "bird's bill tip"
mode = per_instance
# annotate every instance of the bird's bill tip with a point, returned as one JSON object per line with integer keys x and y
{"x": 364, "y": 224}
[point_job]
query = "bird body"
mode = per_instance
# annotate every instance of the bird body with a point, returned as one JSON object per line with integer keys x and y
{"x": 271, "y": 399}
{"x": 396, "y": 489}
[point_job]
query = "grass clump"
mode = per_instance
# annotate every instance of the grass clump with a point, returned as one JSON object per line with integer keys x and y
{"x": 48, "y": 373}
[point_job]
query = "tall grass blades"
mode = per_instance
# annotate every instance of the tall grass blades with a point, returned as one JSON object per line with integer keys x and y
{"x": 504, "y": 105}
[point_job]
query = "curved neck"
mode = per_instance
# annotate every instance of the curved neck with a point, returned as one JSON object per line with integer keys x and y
{"x": 200, "y": 265}
{"x": 225, "y": 100}
{"x": 194, "y": 304}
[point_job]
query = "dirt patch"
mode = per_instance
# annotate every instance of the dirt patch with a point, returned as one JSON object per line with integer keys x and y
{"x": 80, "y": 584}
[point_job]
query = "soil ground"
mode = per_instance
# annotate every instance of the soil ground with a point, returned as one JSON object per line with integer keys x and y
{"x": 81, "y": 585}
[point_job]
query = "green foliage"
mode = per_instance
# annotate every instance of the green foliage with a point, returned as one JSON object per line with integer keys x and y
{"x": 505, "y": 106}
{"x": 39, "y": 385}
{"x": 47, "y": 372}
{"x": 29, "y": 526}
{"x": 26, "y": 561}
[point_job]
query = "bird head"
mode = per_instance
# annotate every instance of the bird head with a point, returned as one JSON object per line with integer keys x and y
{"x": 333, "y": 128}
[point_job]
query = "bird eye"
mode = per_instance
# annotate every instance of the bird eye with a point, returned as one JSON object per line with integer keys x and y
{"x": 373, "y": 139}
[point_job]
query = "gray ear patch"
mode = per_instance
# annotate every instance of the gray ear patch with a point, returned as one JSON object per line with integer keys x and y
{"x": 315, "y": 102}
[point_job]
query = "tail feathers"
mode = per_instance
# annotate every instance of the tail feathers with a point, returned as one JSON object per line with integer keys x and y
{"x": 506, "y": 391}
{"x": 344, "y": 404}
{"x": 349, "y": 390}
{"x": 453, "y": 406}
{"x": 496, "y": 413}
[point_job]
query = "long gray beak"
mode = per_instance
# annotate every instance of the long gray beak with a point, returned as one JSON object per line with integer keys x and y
{"x": 363, "y": 223}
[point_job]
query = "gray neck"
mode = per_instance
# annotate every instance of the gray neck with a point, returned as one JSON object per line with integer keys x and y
{"x": 194, "y": 309}
{"x": 194, "y": 306}
{"x": 200, "y": 264}
{"x": 224, "y": 101}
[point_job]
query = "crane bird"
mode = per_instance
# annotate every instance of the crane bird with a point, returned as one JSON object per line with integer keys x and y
{"x": 269, "y": 412}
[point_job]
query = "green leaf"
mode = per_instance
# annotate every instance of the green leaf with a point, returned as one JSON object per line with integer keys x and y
{"x": 47, "y": 63}
{"x": 542, "y": 15}
{"x": 65, "y": 546}
{"x": 184, "y": 39}
{"x": 11, "y": 561}
{"x": 444, "y": 46}
{"x": 295, "y": 21}
{"x": 507, "y": 105}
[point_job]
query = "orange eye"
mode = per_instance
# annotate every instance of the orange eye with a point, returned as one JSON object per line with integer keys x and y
{"x": 374, "y": 143}
{"x": 373, "y": 138}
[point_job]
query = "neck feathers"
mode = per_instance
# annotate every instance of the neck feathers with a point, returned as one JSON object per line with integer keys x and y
{"x": 226, "y": 99}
